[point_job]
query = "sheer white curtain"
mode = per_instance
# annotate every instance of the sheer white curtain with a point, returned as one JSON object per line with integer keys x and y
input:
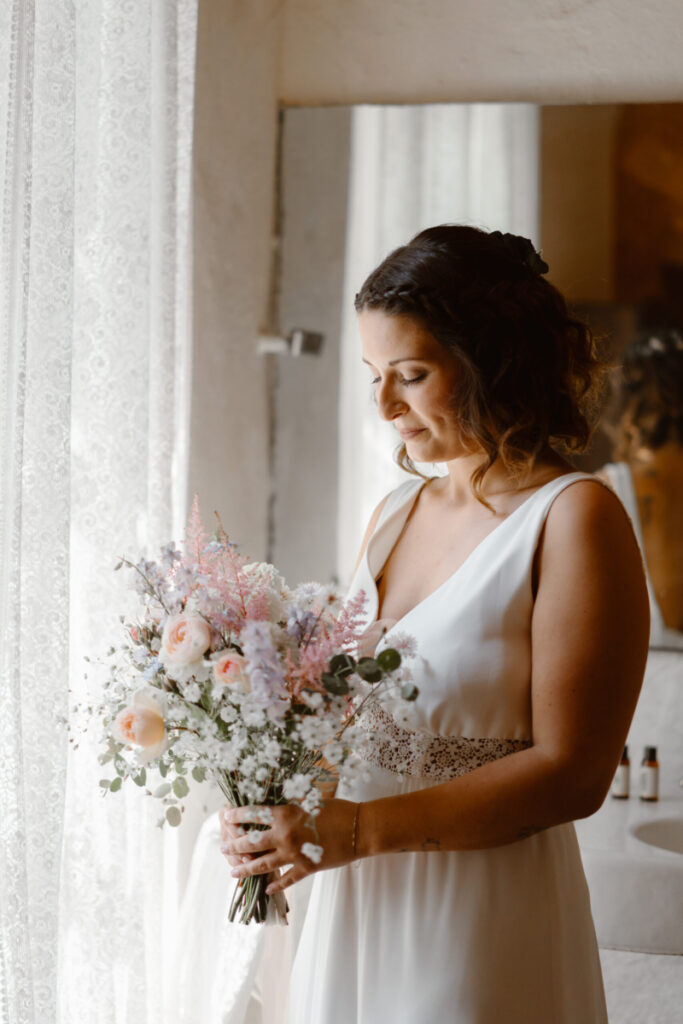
{"x": 412, "y": 167}
{"x": 95, "y": 143}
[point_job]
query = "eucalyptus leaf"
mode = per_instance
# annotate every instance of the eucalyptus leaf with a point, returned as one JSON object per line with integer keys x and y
{"x": 334, "y": 684}
{"x": 342, "y": 665}
{"x": 198, "y": 774}
{"x": 388, "y": 660}
{"x": 116, "y": 784}
{"x": 105, "y": 783}
{"x": 141, "y": 778}
{"x": 369, "y": 670}
{"x": 163, "y": 769}
{"x": 173, "y": 816}
{"x": 163, "y": 790}
{"x": 180, "y": 788}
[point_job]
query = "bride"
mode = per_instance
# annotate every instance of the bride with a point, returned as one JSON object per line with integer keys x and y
{"x": 454, "y": 891}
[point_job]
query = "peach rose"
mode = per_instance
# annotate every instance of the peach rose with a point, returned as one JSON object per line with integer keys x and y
{"x": 184, "y": 640}
{"x": 228, "y": 670}
{"x": 141, "y": 724}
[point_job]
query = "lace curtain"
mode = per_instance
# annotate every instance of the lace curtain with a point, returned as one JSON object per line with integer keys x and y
{"x": 412, "y": 167}
{"x": 95, "y": 144}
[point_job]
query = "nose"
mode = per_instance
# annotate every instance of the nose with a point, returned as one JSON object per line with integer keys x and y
{"x": 389, "y": 403}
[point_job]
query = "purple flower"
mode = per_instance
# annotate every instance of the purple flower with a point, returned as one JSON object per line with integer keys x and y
{"x": 265, "y": 671}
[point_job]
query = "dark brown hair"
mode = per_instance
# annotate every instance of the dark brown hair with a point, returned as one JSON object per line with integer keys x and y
{"x": 530, "y": 372}
{"x": 649, "y": 403}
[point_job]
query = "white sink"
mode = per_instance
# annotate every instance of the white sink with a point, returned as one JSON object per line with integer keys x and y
{"x": 633, "y": 858}
{"x": 666, "y": 833}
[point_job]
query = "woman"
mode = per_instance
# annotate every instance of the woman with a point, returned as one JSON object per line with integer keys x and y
{"x": 648, "y": 471}
{"x": 522, "y": 584}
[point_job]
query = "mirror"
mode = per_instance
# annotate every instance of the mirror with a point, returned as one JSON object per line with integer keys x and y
{"x": 598, "y": 188}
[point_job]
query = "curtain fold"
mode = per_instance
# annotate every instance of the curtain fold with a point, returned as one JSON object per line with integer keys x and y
{"x": 96, "y": 129}
{"x": 413, "y": 167}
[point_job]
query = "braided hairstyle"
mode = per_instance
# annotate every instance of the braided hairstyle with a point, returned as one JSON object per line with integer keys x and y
{"x": 529, "y": 375}
{"x": 650, "y": 393}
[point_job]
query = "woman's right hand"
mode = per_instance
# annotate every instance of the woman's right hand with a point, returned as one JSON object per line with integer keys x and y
{"x": 228, "y": 832}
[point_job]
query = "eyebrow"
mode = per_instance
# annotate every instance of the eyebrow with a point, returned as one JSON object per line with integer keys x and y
{"x": 403, "y": 359}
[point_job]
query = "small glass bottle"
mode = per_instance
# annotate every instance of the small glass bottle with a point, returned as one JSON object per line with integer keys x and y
{"x": 649, "y": 775}
{"x": 622, "y": 777}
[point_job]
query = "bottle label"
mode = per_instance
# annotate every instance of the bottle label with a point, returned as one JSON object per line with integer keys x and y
{"x": 620, "y": 786}
{"x": 649, "y": 782}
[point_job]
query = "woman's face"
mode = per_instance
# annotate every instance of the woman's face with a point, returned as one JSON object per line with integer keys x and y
{"x": 415, "y": 380}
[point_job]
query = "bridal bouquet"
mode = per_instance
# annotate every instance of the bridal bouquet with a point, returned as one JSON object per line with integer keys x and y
{"x": 229, "y": 675}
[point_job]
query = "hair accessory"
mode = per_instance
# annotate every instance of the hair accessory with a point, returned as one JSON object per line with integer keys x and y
{"x": 521, "y": 250}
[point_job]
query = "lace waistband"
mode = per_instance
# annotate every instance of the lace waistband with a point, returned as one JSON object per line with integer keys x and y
{"x": 440, "y": 758}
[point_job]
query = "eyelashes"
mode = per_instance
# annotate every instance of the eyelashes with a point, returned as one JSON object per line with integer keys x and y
{"x": 403, "y": 380}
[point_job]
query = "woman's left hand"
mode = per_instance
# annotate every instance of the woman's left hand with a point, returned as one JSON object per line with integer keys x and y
{"x": 293, "y": 838}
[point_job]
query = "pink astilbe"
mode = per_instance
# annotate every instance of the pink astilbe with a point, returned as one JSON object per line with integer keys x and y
{"x": 350, "y": 624}
{"x": 195, "y": 535}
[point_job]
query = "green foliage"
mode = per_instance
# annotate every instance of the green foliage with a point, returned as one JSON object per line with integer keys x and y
{"x": 198, "y": 774}
{"x": 180, "y": 787}
{"x": 116, "y": 784}
{"x": 369, "y": 670}
{"x": 342, "y": 665}
{"x": 161, "y": 791}
{"x": 141, "y": 778}
{"x": 388, "y": 660}
{"x": 173, "y": 816}
{"x": 335, "y": 684}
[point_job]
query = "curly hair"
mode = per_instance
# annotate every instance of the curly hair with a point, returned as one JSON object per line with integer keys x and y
{"x": 530, "y": 374}
{"x": 649, "y": 405}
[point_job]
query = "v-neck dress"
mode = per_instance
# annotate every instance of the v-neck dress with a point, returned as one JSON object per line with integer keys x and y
{"x": 494, "y": 936}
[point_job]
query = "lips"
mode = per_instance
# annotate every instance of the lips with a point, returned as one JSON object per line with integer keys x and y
{"x": 406, "y": 435}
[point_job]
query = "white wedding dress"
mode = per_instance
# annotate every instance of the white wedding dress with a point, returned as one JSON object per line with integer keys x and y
{"x": 494, "y": 936}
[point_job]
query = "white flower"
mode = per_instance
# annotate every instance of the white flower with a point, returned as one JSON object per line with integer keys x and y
{"x": 270, "y": 753}
{"x": 191, "y": 692}
{"x": 314, "y": 699}
{"x": 311, "y": 802}
{"x": 297, "y": 787}
{"x": 313, "y": 852}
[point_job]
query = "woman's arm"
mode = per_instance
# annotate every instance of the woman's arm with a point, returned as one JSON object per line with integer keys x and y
{"x": 589, "y": 639}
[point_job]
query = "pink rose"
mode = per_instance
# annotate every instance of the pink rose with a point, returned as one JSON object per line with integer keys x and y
{"x": 141, "y": 724}
{"x": 228, "y": 670}
{"x": 185, "y": 639}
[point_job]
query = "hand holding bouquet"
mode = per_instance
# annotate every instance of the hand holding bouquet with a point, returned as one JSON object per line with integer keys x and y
{"x": 229, "y": 674}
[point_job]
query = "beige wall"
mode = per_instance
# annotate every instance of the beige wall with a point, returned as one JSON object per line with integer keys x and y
{"x": 253, "y": 55}
{"x": 412, "y": 51}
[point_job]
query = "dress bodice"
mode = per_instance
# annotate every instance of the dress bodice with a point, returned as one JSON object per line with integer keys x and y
{"x": 473, "y": 663}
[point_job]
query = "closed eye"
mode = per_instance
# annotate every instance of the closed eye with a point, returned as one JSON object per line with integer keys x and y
{"x": 403, "y": 380}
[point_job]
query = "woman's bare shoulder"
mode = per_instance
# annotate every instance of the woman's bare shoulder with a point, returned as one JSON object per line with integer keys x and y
{"x": 587, "y": 525}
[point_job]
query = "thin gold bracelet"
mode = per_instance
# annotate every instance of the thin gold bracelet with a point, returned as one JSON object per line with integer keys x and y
{"x": 355, "y": 829}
